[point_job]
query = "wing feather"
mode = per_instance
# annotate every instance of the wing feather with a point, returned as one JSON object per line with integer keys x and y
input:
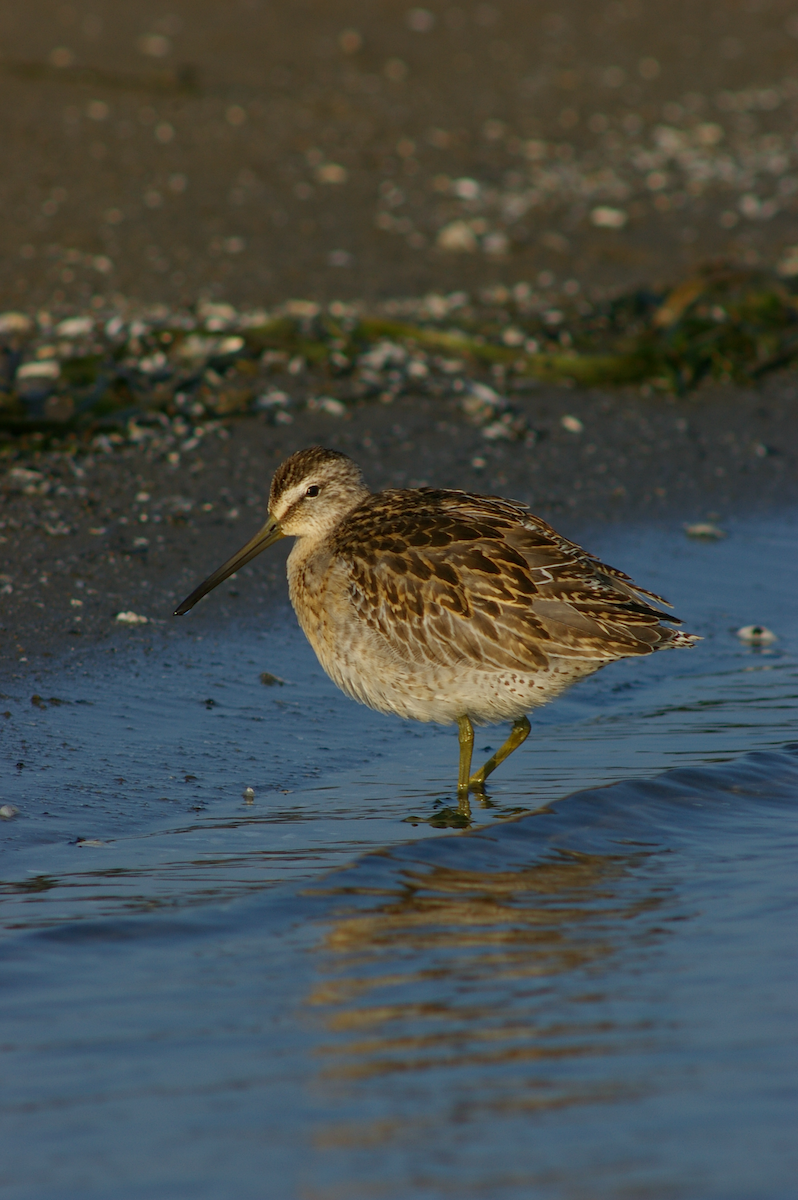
{"x": 454, "y": 579}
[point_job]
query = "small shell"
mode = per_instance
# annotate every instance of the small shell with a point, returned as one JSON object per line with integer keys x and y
{"x": 75, "y": 327}
{"x": 572, "y": 424}
{"x": 457, "y": 237}
{"x": 756, "y": 635}
{"x": 131, "y": 618}
{"x": 47, "y": 368}
{"x": 327, "y": 404}
{"x": 605, "y": 217}
{"x": 705, "y": 529}
{"x": 15, "y": 322}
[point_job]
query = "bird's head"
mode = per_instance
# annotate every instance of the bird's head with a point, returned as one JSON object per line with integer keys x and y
{"x": 311, "y": 492}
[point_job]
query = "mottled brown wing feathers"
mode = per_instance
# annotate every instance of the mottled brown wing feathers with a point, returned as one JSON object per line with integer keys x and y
{"x": 456, "y": 579}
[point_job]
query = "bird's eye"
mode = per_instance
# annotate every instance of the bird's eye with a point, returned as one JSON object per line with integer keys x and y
{"x": 313, "y": 490}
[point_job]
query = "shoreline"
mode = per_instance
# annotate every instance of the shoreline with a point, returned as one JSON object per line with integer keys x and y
{"x": 125, "y": 529}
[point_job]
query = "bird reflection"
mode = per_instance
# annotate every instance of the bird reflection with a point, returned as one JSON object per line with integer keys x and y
{"x": 489, "y": 981}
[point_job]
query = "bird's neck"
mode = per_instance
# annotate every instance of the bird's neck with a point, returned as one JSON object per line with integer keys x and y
{"x": 312, "y": 547}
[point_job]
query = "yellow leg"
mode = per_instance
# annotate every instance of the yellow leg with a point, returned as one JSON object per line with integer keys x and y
{"x": 518, "y": 734}
{"x": 466, "y": 750}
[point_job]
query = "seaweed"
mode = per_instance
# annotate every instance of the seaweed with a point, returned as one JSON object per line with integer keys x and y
{"x": 724, "y": 322}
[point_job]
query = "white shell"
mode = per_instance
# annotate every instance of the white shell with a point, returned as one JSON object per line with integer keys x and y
{"x": 756, "y": 635}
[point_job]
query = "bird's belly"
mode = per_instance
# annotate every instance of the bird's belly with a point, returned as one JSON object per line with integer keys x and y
{"x": 440, "y": 693}
{"x": 364, "y": 665}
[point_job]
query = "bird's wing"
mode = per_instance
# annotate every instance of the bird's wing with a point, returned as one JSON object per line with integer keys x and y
{"x": 454, "y": 579}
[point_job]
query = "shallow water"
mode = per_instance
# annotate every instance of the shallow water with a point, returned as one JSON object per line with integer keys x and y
{"x": 597, "y": 999}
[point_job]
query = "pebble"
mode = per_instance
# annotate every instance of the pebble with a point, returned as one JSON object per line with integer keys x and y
{"x": 501, "y": 430}
{"x": 75, "y": 327}
{"x": 19, "y": 479}
{"x": 572, "y": 424}
{"x": 332, "y": 173}
{"x": 327, "y": 404}
{"x": 458, "y": 238}
{"x": 272, "y": 399}
{"x": 15, "y": 322}
{"x": 47, "y": 368}
{"x": 481, "y": 403}
{"x": 787, "y": 266}
{"x": 198, "y": 367}
{"x": 705, "y": 529}
{"x": 216, "y": 316}
{"x": 756, "y": 635}
{"x": 131, "y": 618}
{"x": 666, "y": 165}
{"x": 604, "y": 217}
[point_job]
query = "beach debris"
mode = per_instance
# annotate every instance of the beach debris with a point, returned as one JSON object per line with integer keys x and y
{"x": 327, "y": 404}
{"x": 8, "y": 811}
{"x": 756, "y": 635}
{"x": 606, "y": 217}
{"x": 75, "y": 327}
{"x": 167, "y": 380}
{"x": 272, "y": 399}
{"x": 46, "y": 368}
{"x": 706, "y": 530}
{"x": 23, "y": 479}
{"x": 458, "y": 237}
{"x": 15, "y": 322}
{"x": 248, "y": 795}
{"x": 786, "y": 266}
{"x": 507, "y": 428}
{"x": 270, "y": 680}
{"x": 216, "y": 316}
{"x": 420, "y": 20}
{"x": 330, "y": 172}
{"x": 91, "y": 842}
{"x": 496, "y": 244}
{"x": 670, "y": 161}
{"x": 572, "y": 424}
{"x": 481, "y": 403}
{"x": 131, "y": 618}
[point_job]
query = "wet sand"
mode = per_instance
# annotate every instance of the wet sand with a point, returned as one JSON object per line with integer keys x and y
{"x": 253, "y": 152}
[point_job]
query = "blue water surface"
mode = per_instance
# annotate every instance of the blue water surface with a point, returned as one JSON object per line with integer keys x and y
{"x": 318, "y": 993}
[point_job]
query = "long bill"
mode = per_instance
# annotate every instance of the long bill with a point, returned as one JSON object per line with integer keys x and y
{"x": 267, "y": 536}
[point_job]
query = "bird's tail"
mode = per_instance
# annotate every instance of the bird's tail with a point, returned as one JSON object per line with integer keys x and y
{"x": 682, "y": 641}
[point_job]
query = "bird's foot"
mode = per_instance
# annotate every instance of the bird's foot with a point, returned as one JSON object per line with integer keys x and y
{"x": 476, "y": 788}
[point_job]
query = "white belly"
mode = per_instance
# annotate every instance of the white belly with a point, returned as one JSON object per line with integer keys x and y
{"x": 363, "y": 665}
{"x": 444, "y": 694}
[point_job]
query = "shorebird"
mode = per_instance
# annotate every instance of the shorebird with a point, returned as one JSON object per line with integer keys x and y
{"x": 443, "y": 605}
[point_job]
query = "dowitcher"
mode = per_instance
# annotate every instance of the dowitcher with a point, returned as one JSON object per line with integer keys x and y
{"x": 442, "y": 605}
